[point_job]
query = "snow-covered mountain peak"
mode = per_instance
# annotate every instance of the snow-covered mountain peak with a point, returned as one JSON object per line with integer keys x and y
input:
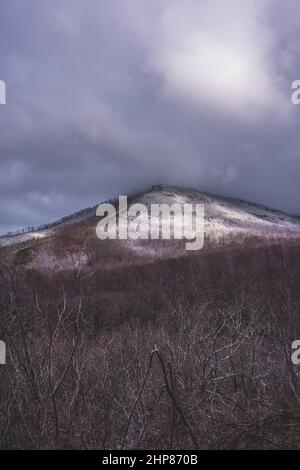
{"x": 225, "y": 218}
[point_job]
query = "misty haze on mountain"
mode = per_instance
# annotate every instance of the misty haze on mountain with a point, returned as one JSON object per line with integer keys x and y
{"x": 108, "y": 98}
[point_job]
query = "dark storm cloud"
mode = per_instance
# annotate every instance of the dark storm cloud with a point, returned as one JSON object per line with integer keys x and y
{"x": 110, "y": 97}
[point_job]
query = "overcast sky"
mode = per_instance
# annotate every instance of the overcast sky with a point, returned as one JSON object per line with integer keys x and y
{"x": 107, "y": 97}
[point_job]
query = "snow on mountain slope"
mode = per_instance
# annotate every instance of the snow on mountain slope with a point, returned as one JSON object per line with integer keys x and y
{"x": 225, "y": 218}
{"x": 47, "y": 229}
{"x": 16, "y": 238}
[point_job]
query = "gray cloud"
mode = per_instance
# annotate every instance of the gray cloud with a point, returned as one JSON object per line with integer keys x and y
{"x": 105, "y": 98}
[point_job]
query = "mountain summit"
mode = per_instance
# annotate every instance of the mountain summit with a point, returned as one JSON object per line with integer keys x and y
{"x": 72, "y": 240}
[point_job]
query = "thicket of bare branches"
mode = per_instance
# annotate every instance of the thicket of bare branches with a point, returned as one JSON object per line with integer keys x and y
{"x": 189, "y": 353}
